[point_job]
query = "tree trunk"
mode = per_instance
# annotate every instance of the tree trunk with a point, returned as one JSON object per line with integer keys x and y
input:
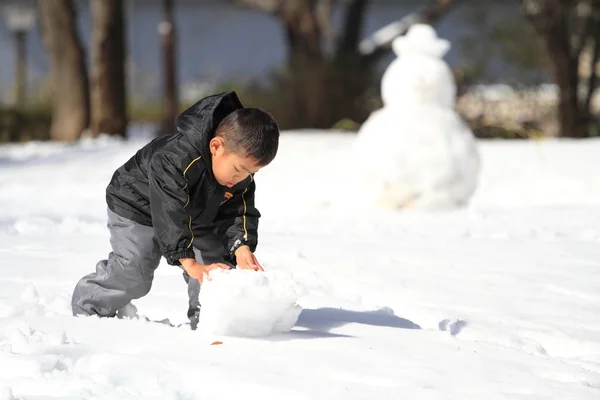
{"x": 168, "y": 34}
{"x": 572, "y": 120}
{"x": 70, "y": 115}
{"x": 550, "y": 19}
{"x": 108, "y": 90}
{"x": 303, "y": 32}
{"x": 564, "y": 69}
{"x": 351, "y": 34}
{"x": 20, "y": 68}
{"x": 594, "y": 59}
{"x": 306, "y": 62}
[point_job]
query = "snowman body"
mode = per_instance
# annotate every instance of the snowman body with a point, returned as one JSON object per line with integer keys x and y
{"x": 418, "y": 150}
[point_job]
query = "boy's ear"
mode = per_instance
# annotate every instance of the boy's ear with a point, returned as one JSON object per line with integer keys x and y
{"x": 216, "y": 144}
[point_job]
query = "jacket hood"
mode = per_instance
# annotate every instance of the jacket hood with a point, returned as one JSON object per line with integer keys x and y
{"x": 199, "y": 122}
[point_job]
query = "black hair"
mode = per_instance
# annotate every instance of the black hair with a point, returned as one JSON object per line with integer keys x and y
{"x": 250, "y": 132}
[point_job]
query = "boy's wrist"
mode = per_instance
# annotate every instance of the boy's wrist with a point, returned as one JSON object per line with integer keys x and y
{"x": 244, "y": 247}
{"x": 236, "y": 246}
{"x": 187, "y": 262}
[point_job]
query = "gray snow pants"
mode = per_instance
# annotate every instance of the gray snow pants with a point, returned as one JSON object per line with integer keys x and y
{"x": 129, "y": 270}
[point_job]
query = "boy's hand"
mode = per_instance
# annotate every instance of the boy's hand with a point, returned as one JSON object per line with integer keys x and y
{"x": 246, "y": 260}
{"x": 197, "y": 270}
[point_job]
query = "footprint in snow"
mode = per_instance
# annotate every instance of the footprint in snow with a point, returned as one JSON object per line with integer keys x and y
{"x": 452, "y": 326}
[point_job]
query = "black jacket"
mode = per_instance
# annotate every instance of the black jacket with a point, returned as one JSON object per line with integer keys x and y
{"x": 169, "y": 184}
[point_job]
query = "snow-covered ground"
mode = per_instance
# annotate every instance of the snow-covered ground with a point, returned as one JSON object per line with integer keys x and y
{"x": 497, "y": 301}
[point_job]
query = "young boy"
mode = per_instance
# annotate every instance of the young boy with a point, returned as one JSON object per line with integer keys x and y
{"x": 189, "y": 198}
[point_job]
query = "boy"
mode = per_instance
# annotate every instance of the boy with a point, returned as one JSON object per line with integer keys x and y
{"x": 189, "y": 198}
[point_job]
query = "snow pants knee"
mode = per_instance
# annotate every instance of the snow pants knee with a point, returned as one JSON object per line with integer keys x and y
{"x": 128, "y": 272}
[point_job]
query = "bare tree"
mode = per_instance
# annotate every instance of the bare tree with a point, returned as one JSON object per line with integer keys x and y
{"x": 306, "y": 21}
{"x": 169, "y": 39}
{"x": 70, "y": 116}
{"x": 569, "y": 27}
{"x": 325, "y": 88}
{"x": 108, "y": 91}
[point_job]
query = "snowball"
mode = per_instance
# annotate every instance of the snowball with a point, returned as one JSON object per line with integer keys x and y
{"x": 6, "y": 393}
{"x": 129, "y": 311}
{"x": 428, "y": 160}
{"x": 30, "y": 295}
{"x": 8, "y": 310}
{"x": 60, "y": 304}
{"x": 418, "y": 80}
{"x": 248, "y": 303}
{"x": 421, "y": 39}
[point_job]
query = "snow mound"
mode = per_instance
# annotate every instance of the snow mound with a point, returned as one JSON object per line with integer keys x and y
{"x": 6, "y": 394}
{"x": 249, "y": 303}
{"x": 30, "y": 295}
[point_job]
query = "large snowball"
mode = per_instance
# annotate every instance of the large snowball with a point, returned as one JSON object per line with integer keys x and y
{"x": 418, "y": 79}
{"x": 248, "y": 303}
{"x": 418, "y": 156}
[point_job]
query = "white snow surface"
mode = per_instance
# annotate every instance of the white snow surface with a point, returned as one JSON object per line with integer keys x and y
{"x": 496, "y": 300}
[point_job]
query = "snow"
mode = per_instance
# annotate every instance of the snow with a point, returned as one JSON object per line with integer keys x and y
{"x": 420, "y": 151}
{"x": 419, "y": 75}
{"x": 249, "y": 303}
{"x": 418, "y": 163}
{"x": 499, "y": 299}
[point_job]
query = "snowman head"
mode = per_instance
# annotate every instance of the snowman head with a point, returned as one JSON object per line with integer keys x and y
{"x": 419, "y": 76}
{"x": 421, "y": 39}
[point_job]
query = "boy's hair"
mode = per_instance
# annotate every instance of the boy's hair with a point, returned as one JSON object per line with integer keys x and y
{"x": 250, "y": 132}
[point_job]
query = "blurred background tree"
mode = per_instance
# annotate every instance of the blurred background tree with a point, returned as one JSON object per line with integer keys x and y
{"x": 68, "y": 70}
{"x": 524, "y": 68}
{"x": 321, "y": 87}
{"x": 571, "y": 32}
{"x": 107, "y": 90}
{"x": 167, "y": 30}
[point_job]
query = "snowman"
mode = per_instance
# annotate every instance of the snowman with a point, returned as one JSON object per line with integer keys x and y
{"x": 419, "y": 151}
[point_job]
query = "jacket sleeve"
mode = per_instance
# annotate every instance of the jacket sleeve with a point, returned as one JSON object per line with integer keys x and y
{"x": 168, "y": 200}
{"x": 238, "y": 218}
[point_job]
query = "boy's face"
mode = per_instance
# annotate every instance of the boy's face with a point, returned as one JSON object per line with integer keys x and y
{"x": 230, "y": 168}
